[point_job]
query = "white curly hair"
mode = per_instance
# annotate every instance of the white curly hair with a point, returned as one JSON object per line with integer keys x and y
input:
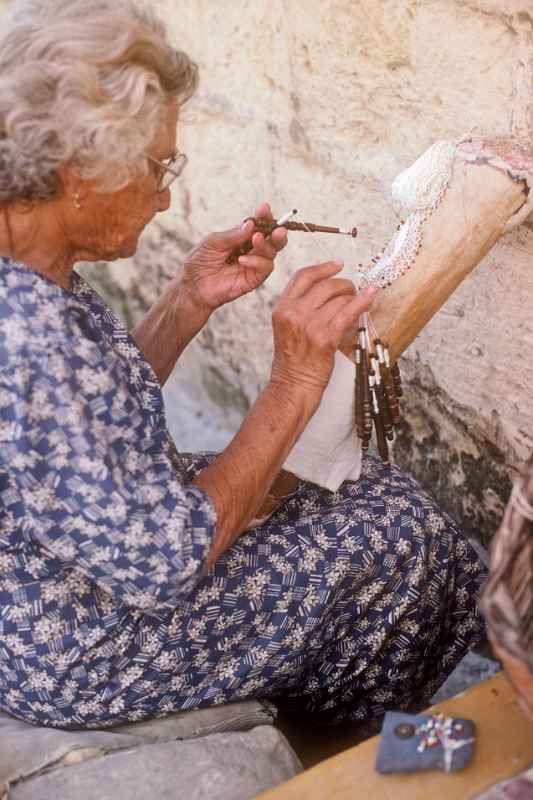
{"x": 83, "y": 82}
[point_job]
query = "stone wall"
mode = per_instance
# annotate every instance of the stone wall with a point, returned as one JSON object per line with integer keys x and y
{"x": 318, "y": 106}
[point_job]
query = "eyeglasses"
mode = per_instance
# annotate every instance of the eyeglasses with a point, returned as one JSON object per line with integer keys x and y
{"x": 169, "y": 170}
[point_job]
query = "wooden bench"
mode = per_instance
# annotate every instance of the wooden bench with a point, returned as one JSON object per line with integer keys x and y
{"x": 504, "y": 747}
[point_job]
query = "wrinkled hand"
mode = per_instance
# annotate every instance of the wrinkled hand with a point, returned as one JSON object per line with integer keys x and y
{"x": 313, "y": 315}
{"x": 211, "y": 282}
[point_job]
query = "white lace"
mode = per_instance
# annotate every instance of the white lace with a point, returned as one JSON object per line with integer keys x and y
{"x": 418, "y": 190}
{"x": 421, "y": 187}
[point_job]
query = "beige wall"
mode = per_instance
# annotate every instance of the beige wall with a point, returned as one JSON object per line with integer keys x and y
{"x": 318, "y": 105}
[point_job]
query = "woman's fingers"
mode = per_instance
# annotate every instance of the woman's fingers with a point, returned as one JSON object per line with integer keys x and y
{"x": 269, "y": 248}
{"x": 326, "y": 289}
{"x": 333, "y": 310}
{"x": 259, "y": 264}
{"x": 310, "y": 321}
{"x": 303, "y": 280}
{"x": 235, "y": 237}
{"x": 341, "y": 313}
{"x": 279, "y": 238}
{"x": 328, "y": 325}
{"x": 264, "y": 212}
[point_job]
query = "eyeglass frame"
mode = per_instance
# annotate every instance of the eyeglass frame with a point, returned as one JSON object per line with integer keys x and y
{"x": 178, "y": 159}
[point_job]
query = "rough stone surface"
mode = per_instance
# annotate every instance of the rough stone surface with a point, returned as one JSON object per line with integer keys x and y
{"x": 321, "y": 111}
{"x": 456, "y": 454}
{"x": 474, "y": 668}
{"x": 226, "y": 752}
{"x": 225, "y": 766}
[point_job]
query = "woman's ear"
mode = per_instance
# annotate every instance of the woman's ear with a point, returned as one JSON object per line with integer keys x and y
{"x": 73, "y": 188}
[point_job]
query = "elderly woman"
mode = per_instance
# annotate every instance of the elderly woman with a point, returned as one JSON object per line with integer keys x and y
{"x": 131, "y": 582}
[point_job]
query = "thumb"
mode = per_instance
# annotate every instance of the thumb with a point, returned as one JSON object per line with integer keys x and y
{"x": 234, "y": 237}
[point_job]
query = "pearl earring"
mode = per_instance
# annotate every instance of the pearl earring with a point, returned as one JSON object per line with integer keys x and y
{"x": 77, "y": 203}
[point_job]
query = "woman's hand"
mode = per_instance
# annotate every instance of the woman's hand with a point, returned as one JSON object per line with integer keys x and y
{"x": 211, "y": 282}
{"x": 309, "y": 321}
{"x": 314, "y": 313}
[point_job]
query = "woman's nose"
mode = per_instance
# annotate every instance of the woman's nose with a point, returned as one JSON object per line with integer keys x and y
{"x": 163, "y": 200}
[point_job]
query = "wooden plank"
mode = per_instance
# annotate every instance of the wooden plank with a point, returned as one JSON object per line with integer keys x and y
{"x": 504, "y": 747}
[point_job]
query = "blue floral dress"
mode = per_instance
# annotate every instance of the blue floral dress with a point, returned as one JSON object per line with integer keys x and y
{"x": 341, "y": 605}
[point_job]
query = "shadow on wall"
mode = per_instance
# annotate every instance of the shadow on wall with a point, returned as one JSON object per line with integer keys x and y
{"x": 452, "y": 452}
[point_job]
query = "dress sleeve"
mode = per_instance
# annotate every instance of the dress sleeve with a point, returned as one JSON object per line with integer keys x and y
{"x": 93, "y": 480}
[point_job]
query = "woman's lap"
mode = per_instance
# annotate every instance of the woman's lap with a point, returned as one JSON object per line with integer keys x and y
{"x": 340, "y": 605}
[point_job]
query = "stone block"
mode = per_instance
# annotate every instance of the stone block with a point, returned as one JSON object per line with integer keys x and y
{"x": 196, "y": 754}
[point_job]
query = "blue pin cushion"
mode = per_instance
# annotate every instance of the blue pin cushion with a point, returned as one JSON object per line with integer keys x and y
{"x": 419, "y": 742}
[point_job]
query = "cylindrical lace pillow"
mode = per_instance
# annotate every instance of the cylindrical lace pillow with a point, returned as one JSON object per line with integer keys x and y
{"x": 459, "y": 199}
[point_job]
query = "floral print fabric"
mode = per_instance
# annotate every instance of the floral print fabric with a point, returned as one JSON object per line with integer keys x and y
{"x": 342, "y": 605}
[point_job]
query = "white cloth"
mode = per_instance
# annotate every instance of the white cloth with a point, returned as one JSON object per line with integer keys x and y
{"x": 329, "y": 452}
